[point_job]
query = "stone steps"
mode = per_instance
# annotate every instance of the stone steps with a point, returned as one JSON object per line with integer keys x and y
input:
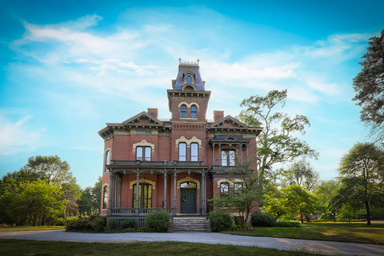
{"x": 189, "y": 224}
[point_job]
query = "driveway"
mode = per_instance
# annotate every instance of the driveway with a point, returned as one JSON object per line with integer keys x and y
{"x": 321, "y": 247}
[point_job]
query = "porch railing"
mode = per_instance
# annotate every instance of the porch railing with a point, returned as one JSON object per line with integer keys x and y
{"x": 139, "y": 211}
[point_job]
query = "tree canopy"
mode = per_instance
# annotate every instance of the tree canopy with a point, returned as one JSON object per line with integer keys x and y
{"x": 362, "y": 177}
{"x": 301, "y": 173}
{"x": 369, "y": 87}
{"x": 275, "y": 145}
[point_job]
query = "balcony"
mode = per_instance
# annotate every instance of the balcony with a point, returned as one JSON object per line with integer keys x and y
{"x": 164, "y": 164}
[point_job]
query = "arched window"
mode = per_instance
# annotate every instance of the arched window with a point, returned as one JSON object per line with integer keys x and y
{"x": 193, "y": 111}
{"x": 194, "y": 151}
{"x": 105, "y": 195}
{"x": 224, "y": 189}
{"x": 182, "y": 151}
{"x": 189, "y": 79}
{"x": 183, "y": 111}
{"x": 145, "y": 195}
{"x": 143, "y": 153}
{"x": 107, "y": 159}
{"x": 237, "y": 187}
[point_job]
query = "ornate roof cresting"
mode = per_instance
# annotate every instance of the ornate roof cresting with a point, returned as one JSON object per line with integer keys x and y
{"x": 189, "y": 63}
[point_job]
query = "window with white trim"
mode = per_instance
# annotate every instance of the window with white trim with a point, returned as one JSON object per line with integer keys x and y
{"x": 182, "y": 151}
{"x": 183, "y": 112}
{"x": 107, "y": 159}
{"x": 194, "y": 151}
{"x": 193, "y": 111}
{"x": 143, "y": 153}
{"x": 105, "y": 195}
{"x": 224, "y": 189}
{"x": 228, "y": 157}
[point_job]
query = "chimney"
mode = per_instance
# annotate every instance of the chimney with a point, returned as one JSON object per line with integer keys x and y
{"x": 153, "y": 112}
{"x": 218, "y": 115}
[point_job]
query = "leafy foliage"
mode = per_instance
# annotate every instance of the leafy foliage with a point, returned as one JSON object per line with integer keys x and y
{"x": 263, "y": 219}
{"x": 362, "y": 177}
{"x": 244, "y": 198}
{"x": 288, "y": 224}
{"x": 90, "y": 199}
{"x": 112, "y": 224}
{"x": 157, "y": 221}
{"x": 369, "y": 87}
{"x": 87, "y": 224}
{"x": 301, "y": 173}
{"x": 128, "y": 223}
{"x": 275, "y": 145}
{"x": 220, "y": 221}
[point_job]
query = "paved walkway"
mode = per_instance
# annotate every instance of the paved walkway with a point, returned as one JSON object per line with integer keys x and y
{"x": 321, "y": 247}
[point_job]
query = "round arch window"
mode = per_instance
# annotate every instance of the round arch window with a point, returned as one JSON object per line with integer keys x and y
{"x": 188, "y": 184}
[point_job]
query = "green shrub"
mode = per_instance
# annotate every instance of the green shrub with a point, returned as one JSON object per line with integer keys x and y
{"x": 262, "y": 219}
{"x": 98, "y": 224}
{"x": 128, "y": 223}
{"x": 140, "y": 230}
{"x": 59, "y": 222}
{"x": 288, "y": 224}
{"x": 112, "y": 224}
{"x": 220, "y": 221}
{"x": 245, "y": 226}
{"x": 157, "y": 221}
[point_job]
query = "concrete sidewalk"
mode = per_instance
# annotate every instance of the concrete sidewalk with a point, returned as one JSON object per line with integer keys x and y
{"x": 312, "y": 246}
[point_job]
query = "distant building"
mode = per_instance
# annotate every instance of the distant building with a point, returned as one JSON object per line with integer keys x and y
{"x": 178, "y": 163}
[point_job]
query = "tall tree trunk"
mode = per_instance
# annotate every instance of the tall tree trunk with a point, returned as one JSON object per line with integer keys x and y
{"x": 368, "y": 213}
{"x": 301, "y": 217}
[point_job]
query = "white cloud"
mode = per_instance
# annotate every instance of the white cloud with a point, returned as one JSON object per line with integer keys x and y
{"x": 17, "y": 136}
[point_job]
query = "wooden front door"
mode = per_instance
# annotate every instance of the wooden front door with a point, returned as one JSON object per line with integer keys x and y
{"x": 188, "y": 200}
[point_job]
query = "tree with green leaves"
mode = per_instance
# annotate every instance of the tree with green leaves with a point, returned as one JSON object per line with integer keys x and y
{"x": 348, "y": 212}
{"x": 362, "y": 178}
{"x": 297, "y": 200}
{"x": 245, "y": 195}
{"x": 301, "y": 173}
{"x": 277, "y": 142}
{"x": 369, "y": 87}
{"x": 90, "y": 199}
{"x": 31, "y": 201}
{"x": 54, "y": 171}
{"x": 325, "y": 191}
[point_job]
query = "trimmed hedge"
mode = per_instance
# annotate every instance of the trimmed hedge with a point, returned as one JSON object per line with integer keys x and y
{"x": 128, "y": 224}
{"x": 288, "y": 224}
{"x": 263, "y": 219}
{"x": 220, "y": 221}
{"x": 157, "y": 221}
{"x": 97, "y": 225}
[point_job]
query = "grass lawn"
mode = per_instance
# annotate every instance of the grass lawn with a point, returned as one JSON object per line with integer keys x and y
{"x": 29, "y": 228}
{"x": 326, "y": 231}
{"x": 29, "y": 247}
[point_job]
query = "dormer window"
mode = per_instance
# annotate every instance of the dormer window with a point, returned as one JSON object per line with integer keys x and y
{"x": 193, "y": 111}
{"x": 189, "y": 79}
{"x": 183, "y": 111}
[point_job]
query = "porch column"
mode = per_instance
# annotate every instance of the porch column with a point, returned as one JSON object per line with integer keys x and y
{"x": 137, "y": 191}
{"x": 110, "y": 192}
{"x": 119, "y": 203}
{"x": 213, "y": 154}
{"x": 165, "y": 188}
{"x": 114, "y": 191}
{"x": 219, "y": 153}
{"x": 174, "y": 192}
{"x": 203, "y": 191}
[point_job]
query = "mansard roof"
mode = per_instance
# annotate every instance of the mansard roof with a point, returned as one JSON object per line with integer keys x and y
{"x": 188, "y": 69}
{"x": 143, "y": 118}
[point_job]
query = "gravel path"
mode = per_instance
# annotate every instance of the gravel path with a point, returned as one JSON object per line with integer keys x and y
{"x": 321, "y": 247}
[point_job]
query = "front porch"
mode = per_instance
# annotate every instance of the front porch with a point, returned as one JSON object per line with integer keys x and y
{"x": 173, "y": 186}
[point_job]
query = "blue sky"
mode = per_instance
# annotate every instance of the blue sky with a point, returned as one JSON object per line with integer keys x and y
{"x": 69, "y": 67}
